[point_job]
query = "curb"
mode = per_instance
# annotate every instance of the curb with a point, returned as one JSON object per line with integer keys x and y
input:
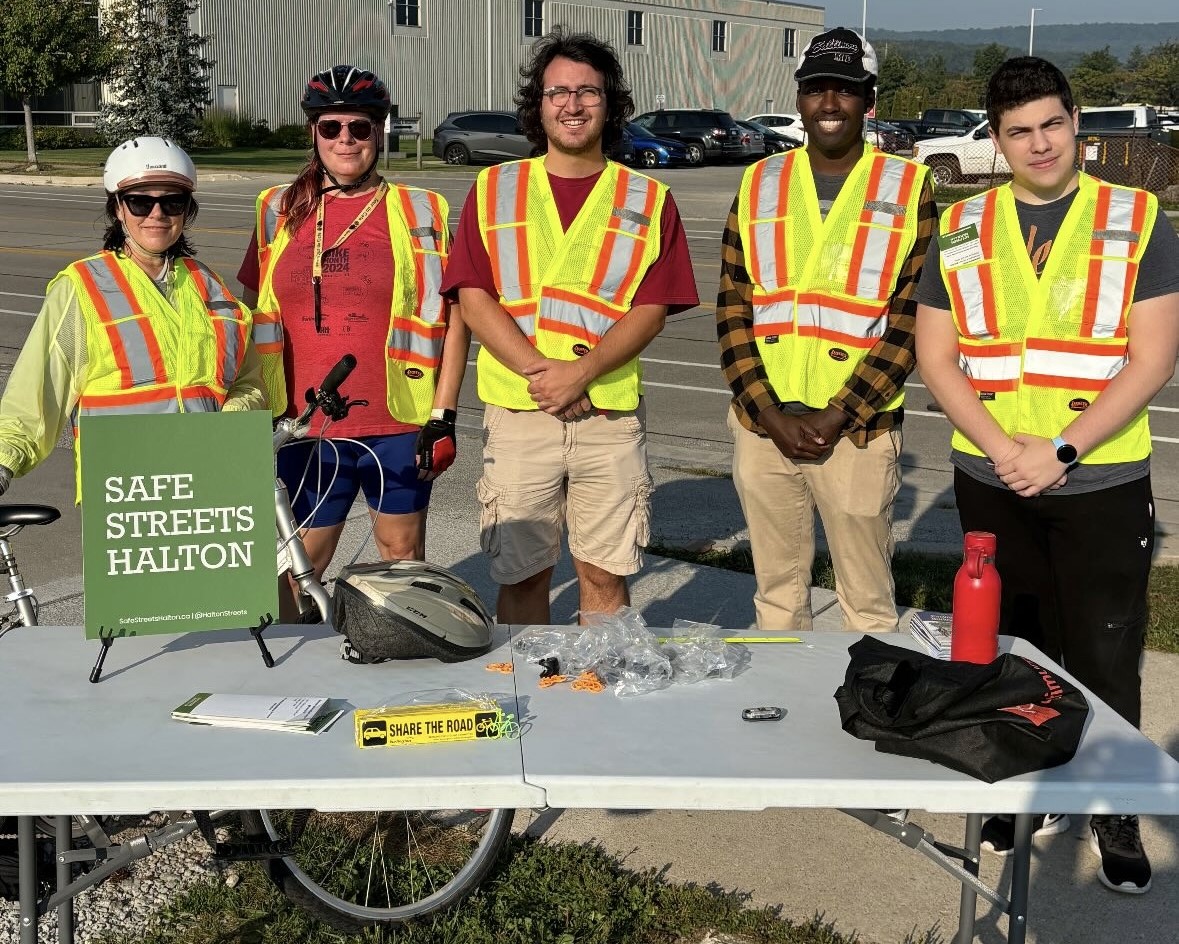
{"x": 49, "y": 180}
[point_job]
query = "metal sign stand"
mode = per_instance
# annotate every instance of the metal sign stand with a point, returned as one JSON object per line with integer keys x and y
{"x": 402, "y": 125}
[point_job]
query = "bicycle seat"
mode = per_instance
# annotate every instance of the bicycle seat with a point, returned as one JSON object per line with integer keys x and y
{"x": 27, "y": 514}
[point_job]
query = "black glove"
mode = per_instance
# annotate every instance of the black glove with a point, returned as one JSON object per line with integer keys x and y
{"x": 436, "y": 446}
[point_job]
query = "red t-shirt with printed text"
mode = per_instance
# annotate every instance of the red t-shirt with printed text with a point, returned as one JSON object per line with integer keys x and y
{"x": 670, "y": 281}
{"x": 356, "y": 293}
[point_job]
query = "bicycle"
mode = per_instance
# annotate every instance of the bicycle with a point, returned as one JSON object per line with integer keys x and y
{"x": 349, "y": 870}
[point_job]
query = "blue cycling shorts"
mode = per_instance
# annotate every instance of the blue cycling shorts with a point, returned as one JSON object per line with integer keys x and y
{"x": 307, "y": 467}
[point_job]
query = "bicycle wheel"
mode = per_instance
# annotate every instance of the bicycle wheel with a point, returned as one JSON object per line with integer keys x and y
{"x": 354, "y": 870}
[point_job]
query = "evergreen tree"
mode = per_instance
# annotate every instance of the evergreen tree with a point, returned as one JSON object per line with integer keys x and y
{"x": 988, "y": 59}
{"x": 1156, "y": 82}
{"x": 45, "y": 47}
{"x": 1097, "y": 79}
{"x": 159, "y": 84}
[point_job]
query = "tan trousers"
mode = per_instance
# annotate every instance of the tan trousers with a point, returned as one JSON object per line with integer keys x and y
{"x": 853, "y": 490}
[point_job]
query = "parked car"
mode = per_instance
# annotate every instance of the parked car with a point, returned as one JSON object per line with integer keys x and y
{"x": 639, "y": 146}
{"x": 1138, "y": 120}
{"x": 887, "y": 136}
{"x": 789, "y": 125}
{"x": 480, "y": 137}
{"x": 945, "y": 122}
{"x": 956, "y": 158}
{"x": 708, "y": 134}
{"x": 775, "y": 140}
{"x": 753, "y": 142}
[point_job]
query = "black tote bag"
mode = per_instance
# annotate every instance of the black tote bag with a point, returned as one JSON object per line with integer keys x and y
{"x": 990, "y": 721}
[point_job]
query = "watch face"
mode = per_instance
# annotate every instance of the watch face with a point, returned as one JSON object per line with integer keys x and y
{"x": 1066, "y": 454}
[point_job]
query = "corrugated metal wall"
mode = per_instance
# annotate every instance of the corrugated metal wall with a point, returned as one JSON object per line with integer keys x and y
{"x": 268, "y": 50}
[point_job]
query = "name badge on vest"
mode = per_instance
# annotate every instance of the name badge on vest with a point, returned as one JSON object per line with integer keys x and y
{"x": 961, "y": 247}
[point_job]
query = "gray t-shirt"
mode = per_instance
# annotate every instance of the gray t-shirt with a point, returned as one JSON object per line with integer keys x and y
{"x": 1158, "y": 274}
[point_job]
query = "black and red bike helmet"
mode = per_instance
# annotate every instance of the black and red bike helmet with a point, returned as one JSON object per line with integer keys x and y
{"x": 346, "y": 88}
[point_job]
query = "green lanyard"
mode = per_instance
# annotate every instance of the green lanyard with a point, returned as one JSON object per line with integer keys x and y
{"x": 319, "y": 252}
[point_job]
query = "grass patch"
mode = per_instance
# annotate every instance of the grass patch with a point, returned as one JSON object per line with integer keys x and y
{"x": 926, "y": 581}
{"x": 538, "y": 893}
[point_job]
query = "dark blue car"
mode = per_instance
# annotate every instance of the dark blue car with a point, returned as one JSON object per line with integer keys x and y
{"x": 641, "y": 147}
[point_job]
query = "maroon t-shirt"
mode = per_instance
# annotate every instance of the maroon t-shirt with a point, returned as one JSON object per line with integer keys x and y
{"x": 670, "y": 281}
{"x": 356, "y": 293}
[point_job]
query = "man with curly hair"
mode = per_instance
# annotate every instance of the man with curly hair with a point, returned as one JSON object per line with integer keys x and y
{"x": 566, "y": 266}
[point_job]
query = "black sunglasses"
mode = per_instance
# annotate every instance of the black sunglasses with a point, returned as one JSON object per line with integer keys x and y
{"x": 142, "y": 204}
{"x": 359, "y": 128}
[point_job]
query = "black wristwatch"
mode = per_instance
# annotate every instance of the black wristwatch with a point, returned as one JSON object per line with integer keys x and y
{"x": 1065, "y": 452}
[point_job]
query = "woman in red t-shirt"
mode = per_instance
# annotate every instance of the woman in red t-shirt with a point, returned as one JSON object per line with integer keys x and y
{"x": 326, "y": 266}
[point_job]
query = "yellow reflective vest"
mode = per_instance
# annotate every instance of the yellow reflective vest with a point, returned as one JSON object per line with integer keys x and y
{"x": 565, "y": 290}
{"x": 1039, "y": 351}
{"x": 419, "y": 239}
{"x": 822, "y": 287}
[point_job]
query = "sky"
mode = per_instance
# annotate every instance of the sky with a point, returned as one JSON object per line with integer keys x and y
{"x": 960, "y": 14}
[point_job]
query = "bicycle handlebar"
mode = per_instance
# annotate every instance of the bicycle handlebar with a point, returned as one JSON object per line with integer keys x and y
{"x": 337, "y": 375}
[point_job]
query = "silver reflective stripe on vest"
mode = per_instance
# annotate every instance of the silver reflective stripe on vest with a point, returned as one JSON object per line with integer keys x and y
{"x": 220, "y": 305}
{"x": 130, "y": 329}
{"x": 1101, "y": 366}
{"x": 970, "y": 278}
{"x": 779, "y": 312}
{"x": 623, "y": 250}
{"x": 270, "y": 218}
{"x": 1118, "y": 243}
{"x": 526, "y": 324}
{"x": 826, "y": 319}
{"x": 267, "y": 332}
{"x": 201, "y": 405}
{"x": 426, "y": 349}
{"x": 765, "y": 235}
{"x": 990, "y": 368}
{"x": 567, "y": 312}
{"x": 880, "y": 233}
{"x": 170, "y": 405}
{"x": 428, "y": 261}
{"x": 507, "y": 186}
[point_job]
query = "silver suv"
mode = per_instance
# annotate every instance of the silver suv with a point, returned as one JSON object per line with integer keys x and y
{"x": 480, "y": 137}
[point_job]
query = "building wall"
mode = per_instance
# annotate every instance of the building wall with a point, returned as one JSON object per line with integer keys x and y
{"x": 266, "y": 51}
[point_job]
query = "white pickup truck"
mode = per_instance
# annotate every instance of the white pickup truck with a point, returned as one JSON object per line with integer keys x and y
{"x": 961, "y": 157}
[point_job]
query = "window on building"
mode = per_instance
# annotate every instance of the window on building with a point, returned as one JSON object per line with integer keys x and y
{"x": 634, "y": 27}
{"x": 789, "y": 43}
{"x": 720, "y": 36}
{"x": 533, "y": 17}
{"x": 409, "y": 12}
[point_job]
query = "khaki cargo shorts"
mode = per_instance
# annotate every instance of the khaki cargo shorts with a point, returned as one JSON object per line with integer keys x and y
{"x": 541, "y": 475}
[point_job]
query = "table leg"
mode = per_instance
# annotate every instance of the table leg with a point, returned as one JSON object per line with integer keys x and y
{"x": 1021, "y": 871}
{"x": 26, "y": 846}
{"x": 63, "y": 826}
{"x": 967, "y": 908}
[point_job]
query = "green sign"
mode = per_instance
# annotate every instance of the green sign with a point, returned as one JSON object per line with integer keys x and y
{"x": 178, "y": 526}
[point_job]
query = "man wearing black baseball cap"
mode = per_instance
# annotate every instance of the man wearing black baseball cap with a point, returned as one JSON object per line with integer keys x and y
{"x": 821, "y": 254}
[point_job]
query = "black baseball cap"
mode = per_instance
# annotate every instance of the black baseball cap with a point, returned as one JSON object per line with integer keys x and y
{"x": 839, "y": 53}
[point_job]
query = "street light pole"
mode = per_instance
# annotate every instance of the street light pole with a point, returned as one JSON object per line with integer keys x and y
{"x": 864, "y": 21}
{"x": 1031, "y": 28}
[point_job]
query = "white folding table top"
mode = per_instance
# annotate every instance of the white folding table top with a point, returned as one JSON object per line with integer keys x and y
{"x": 69, "y": 746}
{"x": 687, "y": 747}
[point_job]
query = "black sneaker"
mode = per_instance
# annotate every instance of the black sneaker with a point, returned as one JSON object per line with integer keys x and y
{"x": 1124, "y": 865}
{"x": 998, "y": 832}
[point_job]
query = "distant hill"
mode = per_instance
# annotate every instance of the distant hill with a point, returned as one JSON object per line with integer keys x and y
{"x": 1061, "y": 44}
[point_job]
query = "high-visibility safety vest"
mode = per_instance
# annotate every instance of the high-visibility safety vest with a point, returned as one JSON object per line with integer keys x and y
{"x": 565, "y": 290}
{"x": 143, "y": 355}
{"x": 1039, "y": 351}
{"x": 417, "y": 316}
{"x": 822, "y": 287}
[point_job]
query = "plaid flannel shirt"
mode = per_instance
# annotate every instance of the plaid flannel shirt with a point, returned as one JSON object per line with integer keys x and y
{"x": 877, "y": 377}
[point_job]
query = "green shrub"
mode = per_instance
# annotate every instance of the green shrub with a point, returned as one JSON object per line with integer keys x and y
{"x": 290, "y": 137}
{"x": 225, "y": 129}
{"x": 51, "y": 137}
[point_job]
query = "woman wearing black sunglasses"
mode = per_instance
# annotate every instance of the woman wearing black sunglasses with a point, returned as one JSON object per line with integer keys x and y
{"x": 343, "y": 262}
{"x": 141, "y": 327}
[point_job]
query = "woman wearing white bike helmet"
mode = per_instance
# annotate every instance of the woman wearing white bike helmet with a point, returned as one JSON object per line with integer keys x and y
{"x": 343, "y": 262}
{"x": 139, "y": 327}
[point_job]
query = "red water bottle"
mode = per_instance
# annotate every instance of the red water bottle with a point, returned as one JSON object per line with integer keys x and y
{"x": 974, "y": 635}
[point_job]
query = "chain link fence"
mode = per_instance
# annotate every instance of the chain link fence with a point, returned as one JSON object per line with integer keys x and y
{"x": 1131, "y": 160}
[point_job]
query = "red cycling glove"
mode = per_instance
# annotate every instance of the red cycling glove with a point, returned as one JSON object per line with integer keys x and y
{"x": 436, "y": 446}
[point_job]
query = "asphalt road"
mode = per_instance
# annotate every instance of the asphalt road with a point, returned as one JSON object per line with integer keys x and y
{"x": 46, "y": 227}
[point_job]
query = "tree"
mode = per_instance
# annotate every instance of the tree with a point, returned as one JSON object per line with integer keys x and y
{"x": 933, "y": 76}
{"x": 1157, "y": 80}
{"x": 988, "y": 59}
{"x": 159, "y": 84}
{"x": 1097, "y": 79}
{"x": 45, "y": 46}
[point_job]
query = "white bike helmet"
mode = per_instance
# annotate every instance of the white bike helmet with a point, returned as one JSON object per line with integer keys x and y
{"x": 408, "y": 610}
{"x": 148, "y": 160}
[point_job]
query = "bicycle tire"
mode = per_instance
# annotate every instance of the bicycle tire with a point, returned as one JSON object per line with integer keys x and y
{"x": 397, "y": 865}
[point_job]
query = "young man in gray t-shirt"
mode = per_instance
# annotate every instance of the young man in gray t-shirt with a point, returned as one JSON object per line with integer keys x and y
{"x": 1054, "y": 322}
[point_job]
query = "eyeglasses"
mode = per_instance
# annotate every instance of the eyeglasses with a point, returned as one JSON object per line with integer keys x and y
{"x": 587, "y": 95}
{"x": 142, "y": 204}
{"x": 361, "y": 129}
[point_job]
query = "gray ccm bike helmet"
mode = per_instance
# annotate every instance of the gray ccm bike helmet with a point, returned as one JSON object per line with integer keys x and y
{"x": 408, "y": 610}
